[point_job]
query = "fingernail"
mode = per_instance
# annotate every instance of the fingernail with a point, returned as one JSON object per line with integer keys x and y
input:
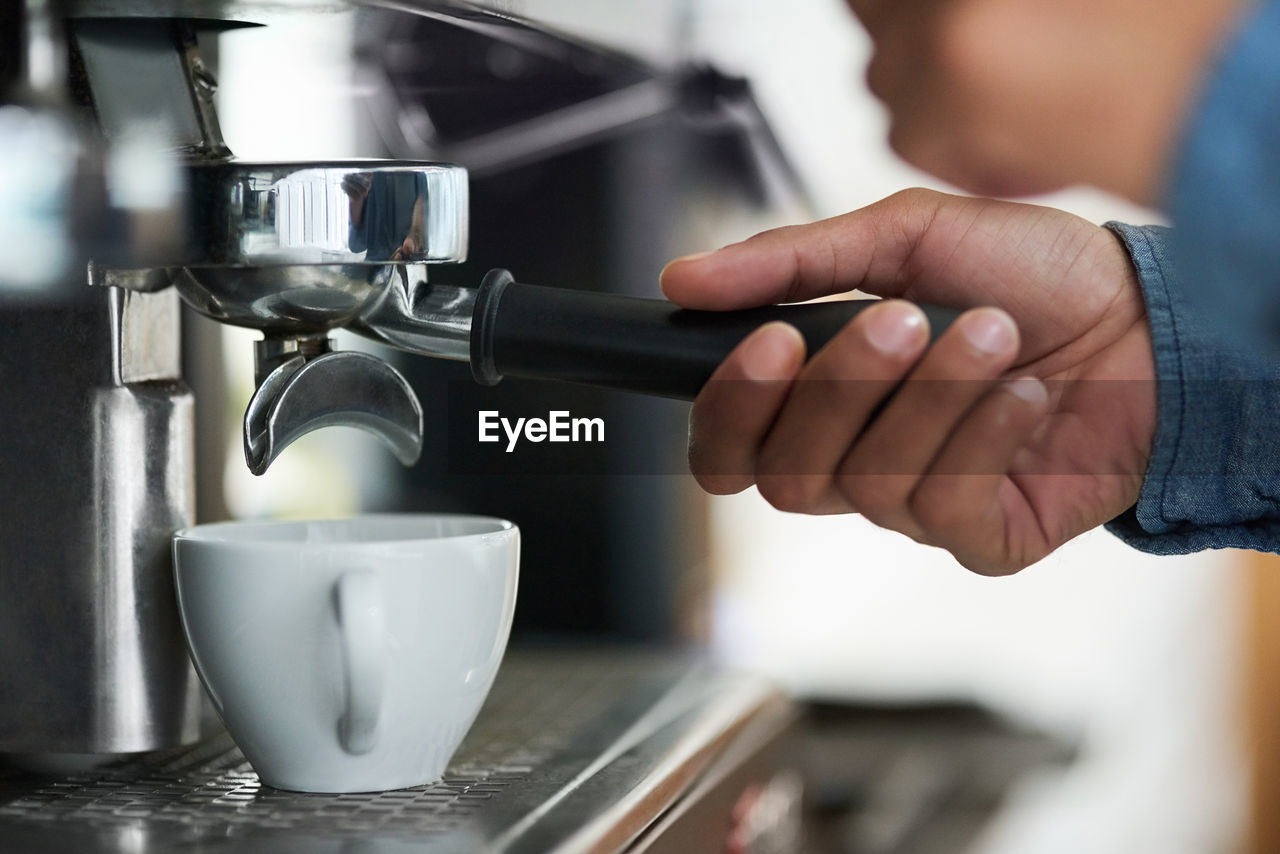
{"x": 772, "y": 352}
{"x": 990, "y": 331}
{"x": 894, "y": 327}
{"x": 1029, "y": 389}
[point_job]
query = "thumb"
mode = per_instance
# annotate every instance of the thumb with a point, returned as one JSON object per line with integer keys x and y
{"x": 865, "y": 249}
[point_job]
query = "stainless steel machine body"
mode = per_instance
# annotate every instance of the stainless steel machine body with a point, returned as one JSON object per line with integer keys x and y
{"x": 98, "y": 426}
{"x": 110, "y": 150}
{"x": 97, "y": 474}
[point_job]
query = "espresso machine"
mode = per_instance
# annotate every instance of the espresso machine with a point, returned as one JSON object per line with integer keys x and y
{"x": 121, "y": 203}
{"x": 116, "y": 172}
{"x": 121, "y": 199}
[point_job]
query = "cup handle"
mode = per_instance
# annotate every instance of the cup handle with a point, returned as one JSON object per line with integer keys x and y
{"x": 361, "y": 628}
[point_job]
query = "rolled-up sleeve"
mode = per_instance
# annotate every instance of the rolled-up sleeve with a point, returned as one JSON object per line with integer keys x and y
{"x": 1212, "y": 480}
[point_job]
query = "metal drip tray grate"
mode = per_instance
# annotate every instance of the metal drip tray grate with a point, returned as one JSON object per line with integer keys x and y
{"x": 517, "y": 782}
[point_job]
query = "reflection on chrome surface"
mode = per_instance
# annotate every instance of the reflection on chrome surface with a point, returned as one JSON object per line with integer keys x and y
{"x": 273, "y": 214}
{"x": 299, "y": 299}
{"x": 295, "y": 249}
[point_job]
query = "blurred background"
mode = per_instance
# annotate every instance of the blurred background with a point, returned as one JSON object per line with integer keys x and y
{"x": 672, "y": 126}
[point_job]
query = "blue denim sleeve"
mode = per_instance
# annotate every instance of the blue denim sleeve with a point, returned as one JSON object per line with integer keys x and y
{"x": 1212, "y": 290}
{"x": 1213, "y": 480}
{"x": 1223, "y": 189}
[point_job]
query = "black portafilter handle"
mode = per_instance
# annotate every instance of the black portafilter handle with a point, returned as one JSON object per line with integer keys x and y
{"x": 650, "y": 346}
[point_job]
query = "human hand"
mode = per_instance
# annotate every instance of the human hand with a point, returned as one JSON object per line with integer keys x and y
{"x": 998, "y": 473}
{"x": 414, "y": 242}
{"x": 1008, "y": 97}
{"x": 410, "y": 247}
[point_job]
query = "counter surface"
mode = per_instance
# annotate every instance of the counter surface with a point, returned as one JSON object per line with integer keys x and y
{"x": 572, "y": 752}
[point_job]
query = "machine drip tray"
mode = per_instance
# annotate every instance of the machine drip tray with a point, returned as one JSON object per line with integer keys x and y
{"x": 573, "y": 751}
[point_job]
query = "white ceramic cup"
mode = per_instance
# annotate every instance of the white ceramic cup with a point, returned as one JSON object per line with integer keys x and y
{"x": 348, "y": 655}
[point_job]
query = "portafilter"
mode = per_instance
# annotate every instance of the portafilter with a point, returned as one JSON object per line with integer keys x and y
{"x": 298, "y": 250}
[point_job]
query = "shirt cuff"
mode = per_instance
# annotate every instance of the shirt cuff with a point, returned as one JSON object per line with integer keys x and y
{"x": 1212, "y": 478}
